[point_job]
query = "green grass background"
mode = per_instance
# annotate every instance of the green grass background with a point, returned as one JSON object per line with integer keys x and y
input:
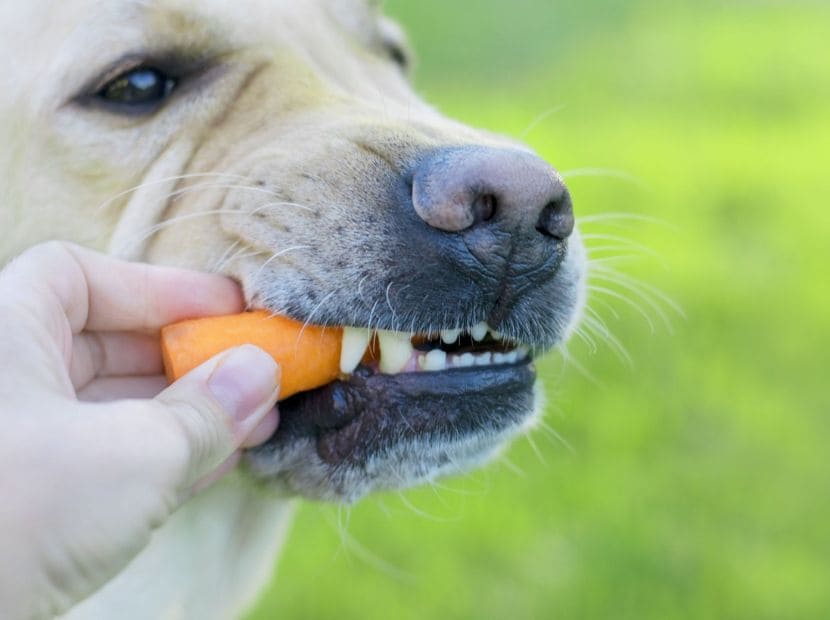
{"x": 693, "y": 482}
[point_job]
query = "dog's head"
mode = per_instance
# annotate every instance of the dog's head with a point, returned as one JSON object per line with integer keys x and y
{"x": 280, "y": 142}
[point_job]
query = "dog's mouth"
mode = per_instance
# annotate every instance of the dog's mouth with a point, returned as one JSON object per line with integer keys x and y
{"x": 403, "y": 389}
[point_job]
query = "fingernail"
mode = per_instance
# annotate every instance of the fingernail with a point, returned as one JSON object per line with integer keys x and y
{"x": 244, "y": 380}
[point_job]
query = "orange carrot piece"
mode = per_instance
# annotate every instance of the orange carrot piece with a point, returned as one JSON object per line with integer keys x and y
{"x": 309, "y": 356}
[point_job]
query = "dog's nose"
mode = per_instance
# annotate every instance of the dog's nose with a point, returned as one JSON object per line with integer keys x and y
{"x": 462, "y": 188}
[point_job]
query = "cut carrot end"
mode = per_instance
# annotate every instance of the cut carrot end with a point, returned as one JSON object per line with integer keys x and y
{"x": 308, "y": 355}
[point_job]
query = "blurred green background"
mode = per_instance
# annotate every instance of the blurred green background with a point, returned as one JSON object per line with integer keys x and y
{"x": 694, "y": 480}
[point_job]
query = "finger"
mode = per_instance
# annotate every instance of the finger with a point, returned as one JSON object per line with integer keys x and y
{"x": 106, "y": 389}
{"x": 224, "y": 468}
{"x": 113, "y": 354}
{"x": 97, "y": 292}
{"x": 262, "y": 431}
{"x": 207, "y": 415}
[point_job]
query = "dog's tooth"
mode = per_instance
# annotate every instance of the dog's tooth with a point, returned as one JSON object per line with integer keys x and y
{"x": 499, "y": 358}
{"x": 511, "y": 358}
{"x": 465, "y": 361}
{"x": 355, "y": 343}
{"x": 523, "y": 351}
{"x": 483, "y": 359}
{"x": 449, "y": 336}
{"x": 434, "y": 360}
{"x": 395, "y": 351}
{"x": 496, "y": 335}
{"x": 479, "y": 331}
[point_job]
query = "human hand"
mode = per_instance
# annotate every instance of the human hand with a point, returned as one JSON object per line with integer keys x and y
{"x": 84, "y": 484}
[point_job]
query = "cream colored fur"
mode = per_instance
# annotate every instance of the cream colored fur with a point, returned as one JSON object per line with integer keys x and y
{"x": 276, "y": 125}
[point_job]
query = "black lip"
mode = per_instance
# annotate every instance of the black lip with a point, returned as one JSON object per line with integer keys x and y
{"x": 352, "y": 420}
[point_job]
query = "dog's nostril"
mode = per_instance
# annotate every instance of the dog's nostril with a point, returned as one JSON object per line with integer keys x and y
{"x": 484, "y": 208}
{"x": 557, "y": 218}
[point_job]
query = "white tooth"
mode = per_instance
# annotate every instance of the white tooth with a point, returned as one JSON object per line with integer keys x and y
{"x": 483, "y": 359}
{"x": 496, "y": 335}
{"x": 465, "y": 360}
{"x": 355, "y": 342}
{"x": 511, "y": 358}
{"x": 479, "y": 331}
{"x": 523, "y": 351}
{"x": 435, "y": 360}
{"x": 395, "y": 351}
{"x": 422, "y": 361}
{"x": 498, "y": 358}
{"x": 448, "y": 336}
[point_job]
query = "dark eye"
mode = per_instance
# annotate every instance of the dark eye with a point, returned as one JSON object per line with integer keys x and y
{"x": 398, "y": 55}
{"x": 140, "y": 87}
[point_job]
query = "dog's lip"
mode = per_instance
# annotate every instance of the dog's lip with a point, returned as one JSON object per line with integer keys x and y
{"x": 367, "y": 411}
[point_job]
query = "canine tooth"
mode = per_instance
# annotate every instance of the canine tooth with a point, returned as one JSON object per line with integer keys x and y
{"x": 355, "y": 342}
{"x": 483, "y": 359}
{"x": 434, "y": 360}
{"x": 479, "y": 331}
{"x": 511, "y": 358}
{"x": 448, "y": 336}
{"x": 465, "y": 360}
{"x": 395, "y": 351}
{"x": 496, "y": 335}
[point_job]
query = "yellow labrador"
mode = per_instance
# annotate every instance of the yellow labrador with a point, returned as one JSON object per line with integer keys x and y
{"x": 279, "y": 141}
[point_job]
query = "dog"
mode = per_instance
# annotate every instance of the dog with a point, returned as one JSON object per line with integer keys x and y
{"x": 280, "y": 143}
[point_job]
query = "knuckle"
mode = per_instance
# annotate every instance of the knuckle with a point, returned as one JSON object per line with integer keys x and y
{"x": 199, "y": 435}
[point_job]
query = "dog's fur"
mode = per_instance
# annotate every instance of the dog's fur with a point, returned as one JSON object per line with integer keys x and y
{"x": 270, "y": 162}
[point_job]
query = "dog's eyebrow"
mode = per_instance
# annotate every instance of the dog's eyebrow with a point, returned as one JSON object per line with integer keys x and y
{"x": 181, "y": 27}
{"x": 358, "y": 17}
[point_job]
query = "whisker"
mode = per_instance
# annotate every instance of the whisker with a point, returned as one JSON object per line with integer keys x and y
{"x": 610, "y": 259}
{"x": 364, "y": 554}
{"x": 422, "y": 513}
{"x": 314, "y": 311}
{"x": 580, "y": 333}
{"x": 152, "y": 230}
{"x": 506, "y": 462}
{"x": 556, "y": 436}
{"x": 239, "y": 255}
{"x": 624, "y": 299}
{"x": 603, "y": 172}
{"x": 276, "y": 255}
{"x": 532, "y": 443}
{"x": 274, "y": 205}
{"x": 208, "y": 186}
{"x": 178, "y": 177}
{"x": 389, "y": 303}
{"x": 592, "y": 251}
{"x": 541, "y": 118}
{"x": 617, "y": 218}
{"x": 570, "y": 360}
{"x": 220, "y": 262}
{"x": 650, "y": 294}
{"x": 622, "y": 241}
{"x": 595, "y": 324}
{"x": 641, "y": 294}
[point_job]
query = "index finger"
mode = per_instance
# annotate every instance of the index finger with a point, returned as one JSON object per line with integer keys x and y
{"x": 101, "y": 293}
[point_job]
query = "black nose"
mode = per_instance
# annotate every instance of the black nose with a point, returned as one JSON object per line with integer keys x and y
{"x": 516, "y": 192}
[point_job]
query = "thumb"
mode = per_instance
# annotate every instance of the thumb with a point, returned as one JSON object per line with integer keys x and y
{"x": 215, "y": 407}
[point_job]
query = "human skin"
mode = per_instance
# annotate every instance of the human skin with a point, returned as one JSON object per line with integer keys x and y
{"x": 96, "y": 452}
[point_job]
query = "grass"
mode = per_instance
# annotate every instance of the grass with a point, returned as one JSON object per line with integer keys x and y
{"x": 692, "y": 483}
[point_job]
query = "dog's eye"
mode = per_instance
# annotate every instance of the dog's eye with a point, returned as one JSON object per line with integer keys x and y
{"x": 140, "y": 87}
{"x": 398, "y": 54}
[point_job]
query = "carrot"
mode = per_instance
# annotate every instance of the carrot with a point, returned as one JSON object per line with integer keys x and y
{"x": 308, "y": 355}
